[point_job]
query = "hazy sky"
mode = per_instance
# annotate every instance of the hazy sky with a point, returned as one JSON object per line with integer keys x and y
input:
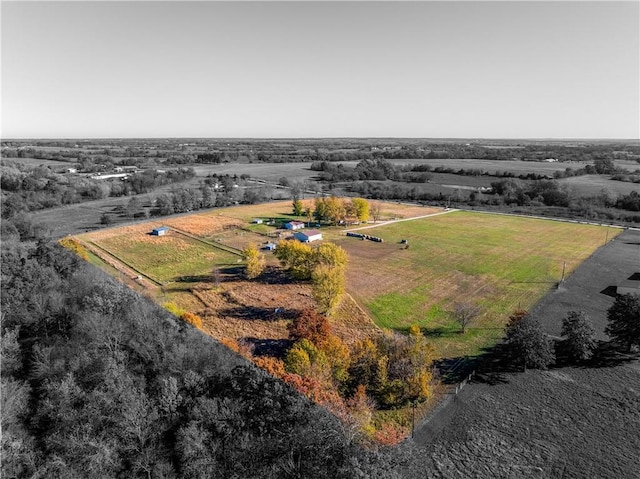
{"x": 321, "y": 69}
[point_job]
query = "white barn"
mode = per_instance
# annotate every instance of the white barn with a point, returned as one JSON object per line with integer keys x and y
{"x": 308, "y": 236}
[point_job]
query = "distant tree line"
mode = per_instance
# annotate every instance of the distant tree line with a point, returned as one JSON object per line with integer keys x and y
{"x": 27, "y": 188}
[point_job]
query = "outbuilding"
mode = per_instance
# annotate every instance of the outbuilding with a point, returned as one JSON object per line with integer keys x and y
{"x": 161, "y": 231}
{"x": 257, "y": 221}
{"x": 294, "y": 225}
{"x": 270, "y": 246}
{"x": 308, "y": 236}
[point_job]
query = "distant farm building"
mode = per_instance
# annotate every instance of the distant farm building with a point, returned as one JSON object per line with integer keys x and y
{"x": 257, "y": 221}
{"x": 308, "y": 236}
{"x": 270, "y": 246}
{"x": 294, "y": 225}
{"x": 630, "y": 286}
{"x": 161, "y": 231}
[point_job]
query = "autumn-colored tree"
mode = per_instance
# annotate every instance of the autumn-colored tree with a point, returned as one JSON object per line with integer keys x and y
{"x": 335, "y": 209}
{"x": 328, "y": 287}
{"x": 298, "y": 208}
{"x": 310, "y": 325}
{"x": 297, "y": 360}
{"x": 255, "y": 262}
{"x": 364, "y": 363}
{"x": 306, "y": 359}
{"x": 192, "y": 319}
{"x": 308, "y": 212}
{"x": 72, "y": 244}
{"x": 338, "y": 356}
{"x": 390, "y": 434}
{"x": 173, "y": 308}
{"x": 273, "y": 366}
{"x": 331, "y": 209}
{"x": 395, "y": 368}
{"x": 241, "y": 347}
{"x": 318, "y": 393}
{"x": 361, "y": 208}
{"x": 361, "y": 408}
{"x": 297, "y": 257}
{"x": 330, "y": 254}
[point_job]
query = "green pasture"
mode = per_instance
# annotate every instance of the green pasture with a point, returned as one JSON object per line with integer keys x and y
{"x": 168, "y": 259}
{"x": 499, "y": 263}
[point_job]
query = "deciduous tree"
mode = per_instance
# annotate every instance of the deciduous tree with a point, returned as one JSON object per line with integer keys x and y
{"x": 464, "y": 313}
{"x": 298, "y": 208}
{"x": 328, "y": 287}
{"x": 255, "y": 262}
{"x": 310, "y": 325}
{"x": 361, "y": 207}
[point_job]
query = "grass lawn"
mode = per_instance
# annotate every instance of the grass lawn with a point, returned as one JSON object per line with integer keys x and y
{"x": 499, "y": 263}
{"x": 170, "y": 258}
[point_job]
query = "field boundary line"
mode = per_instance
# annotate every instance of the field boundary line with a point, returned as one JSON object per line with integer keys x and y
{"x": 121, "y": 261}
{"x": 384, "y": 223}
{"x": 549, "y": 218}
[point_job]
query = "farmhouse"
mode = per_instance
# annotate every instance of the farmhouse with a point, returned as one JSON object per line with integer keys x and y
{"x": 294, "y": 225}
{"x": 629, "y": 286}
{"x": 161, "y": 231}
{"x": 308, "y": 236}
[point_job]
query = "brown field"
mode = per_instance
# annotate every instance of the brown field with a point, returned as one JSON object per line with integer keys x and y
{"x": 203, "y": 224}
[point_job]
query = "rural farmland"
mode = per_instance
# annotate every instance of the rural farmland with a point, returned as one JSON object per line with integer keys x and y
{"x": 497, "y": 262}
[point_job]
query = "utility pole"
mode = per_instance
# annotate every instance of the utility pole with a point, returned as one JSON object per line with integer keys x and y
{"x": 564, "y": 265}
{"x": 607, "y": 237}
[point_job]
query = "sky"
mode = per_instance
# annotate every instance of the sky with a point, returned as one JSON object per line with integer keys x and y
{"x": 301, "y": 69}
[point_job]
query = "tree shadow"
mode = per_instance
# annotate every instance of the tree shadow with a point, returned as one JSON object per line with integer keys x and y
{"x": 269, "y": 347}
{"x": 195, "y": 278}
{"x": 440, "y": 332}
{"x": 257, "y": 313}
{"x": 611, "y": 291}
{"x": 610, "y": 354}
{"x": 274, "y": 275}
{"x": 223, "y": 273}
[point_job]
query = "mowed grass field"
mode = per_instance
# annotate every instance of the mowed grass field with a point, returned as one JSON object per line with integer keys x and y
{"x": 498, "y": 263}
{"x": 173, "y": 258}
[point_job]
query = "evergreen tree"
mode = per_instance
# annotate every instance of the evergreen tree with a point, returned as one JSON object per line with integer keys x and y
{"x": 624, "y": 320}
